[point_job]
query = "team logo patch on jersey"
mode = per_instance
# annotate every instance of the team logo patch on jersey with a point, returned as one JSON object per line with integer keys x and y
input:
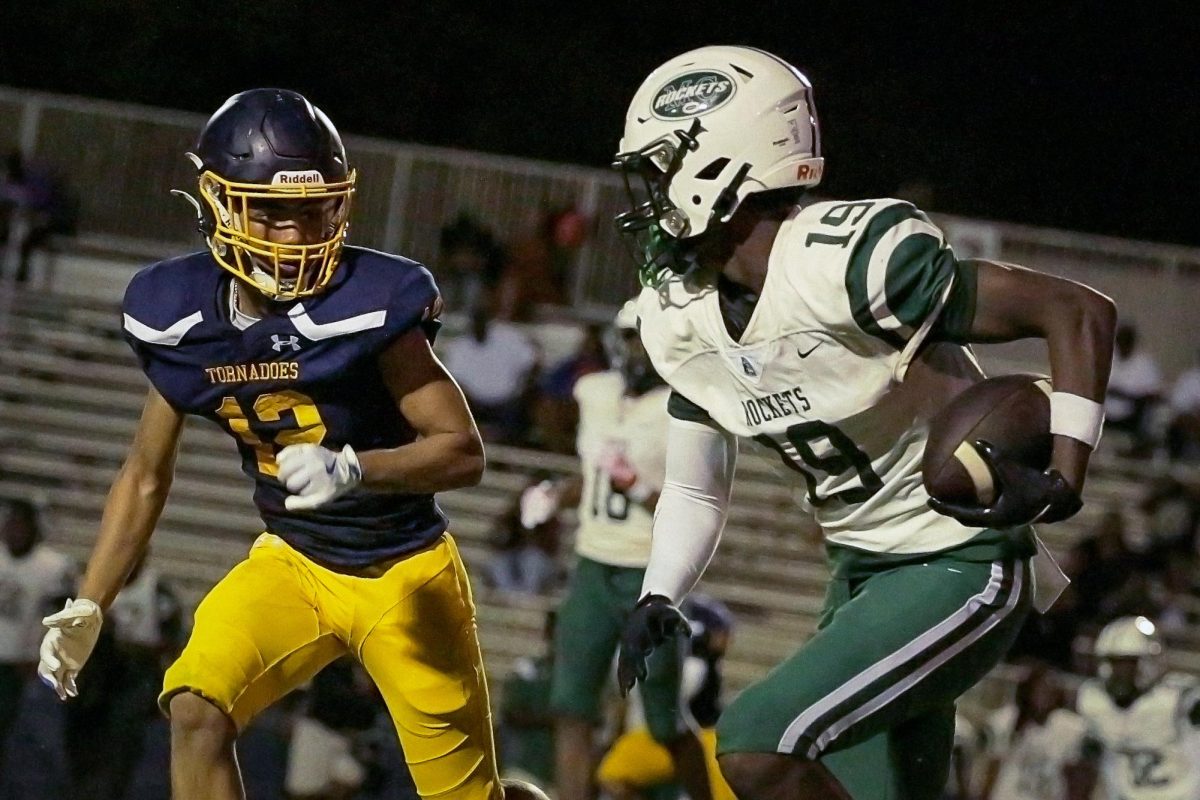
{"x": 692, "y": 94}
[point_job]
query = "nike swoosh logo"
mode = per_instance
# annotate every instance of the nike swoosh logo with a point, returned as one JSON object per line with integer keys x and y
{"x": 809, "y": 352}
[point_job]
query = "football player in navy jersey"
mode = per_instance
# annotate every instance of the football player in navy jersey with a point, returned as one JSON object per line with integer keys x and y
{"x": 315, "y": 356}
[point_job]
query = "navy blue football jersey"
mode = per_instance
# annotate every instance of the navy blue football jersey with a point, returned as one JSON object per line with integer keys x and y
{"x": 307, "y": 376}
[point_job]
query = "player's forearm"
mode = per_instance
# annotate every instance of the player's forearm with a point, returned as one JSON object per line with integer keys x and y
{"x": 134, "y": 504}
{"x": 434, "y": 463}
{"x": 1078, "y": 325}
{"x": 692, "y": 508}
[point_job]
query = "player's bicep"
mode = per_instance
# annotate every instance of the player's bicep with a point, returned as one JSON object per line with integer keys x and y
{"x": 156, "y": 441}
{"x": 1012, "y": 302}
{"x": 424, "y": 392}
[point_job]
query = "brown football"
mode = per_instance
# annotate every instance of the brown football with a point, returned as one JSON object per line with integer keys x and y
{"x": 1012, "y": 412}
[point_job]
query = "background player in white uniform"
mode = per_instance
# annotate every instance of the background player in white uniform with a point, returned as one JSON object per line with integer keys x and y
{"x": 33, "y": 578}
{"x": 1142, "y": 724}
{"x": 1033, "y": 743}
{"x": 832, "y": 332}
{"x": 622, "y": 445}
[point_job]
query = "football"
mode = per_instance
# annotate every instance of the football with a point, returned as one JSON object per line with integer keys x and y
{"x": 1012, "y": 412}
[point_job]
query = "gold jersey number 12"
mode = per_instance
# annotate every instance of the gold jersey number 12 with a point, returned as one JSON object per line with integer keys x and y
{"x": 269, "y": 408}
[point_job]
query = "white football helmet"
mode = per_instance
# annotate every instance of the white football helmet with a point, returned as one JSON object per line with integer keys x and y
{"x": 1130, "y": 637}
{"x": 707, "y": 129}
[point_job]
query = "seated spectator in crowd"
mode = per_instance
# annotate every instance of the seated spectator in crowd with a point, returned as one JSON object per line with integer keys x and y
{"x": 1033, "y": 743}
{"x": 324, "y": 761}
{"x": 105, "y": 727}
{"x": 526, "y": 541}
{"x": 33, "y": 206}
{"x": 556, "y": 412}
{"x": 526, "y": 723}
{"x": 537, "y": 269}
{"x": 34, "y": 580}
{"x": 496, "y": 366}
{"x": 1133, "y": 388}
{"x": 1183, "y": 435}
{"x": 469, "y": 263}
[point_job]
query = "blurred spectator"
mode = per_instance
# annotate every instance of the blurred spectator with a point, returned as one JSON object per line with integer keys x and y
{"x": 1032, "y": 743}
{"x": 1133, "y": 387}
{"x": 556, "y": 413}
{"x": 470, "y": 263}
{"x": 538, "y": 267}
{"x": 526, "y": 557}
{"x": 1105, "y": 564}
{"x": 1172, "y": 511}
{"x": 526, "y": 721}
{"x": 324, "y": 761}
{"x": 496, "y": 365}
{"x": 105, "y": 728}
{"x": 34, "y": 581}
{"x": 1183, "y": 435}
{"x": 33, "y": 206}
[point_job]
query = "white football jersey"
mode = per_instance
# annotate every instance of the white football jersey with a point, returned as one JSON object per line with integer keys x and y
{"x": 1032, "y": 759}
{"x": 1150, "y": 750}
{"x": 612, "y": 528}
{"x": 826, "y": 372}
{"x": 29, "y": 587}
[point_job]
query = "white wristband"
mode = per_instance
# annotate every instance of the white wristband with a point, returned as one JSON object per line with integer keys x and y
{"x": 1076, "y": 417}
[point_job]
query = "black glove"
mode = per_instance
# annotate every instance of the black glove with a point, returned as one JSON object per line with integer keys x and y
{"x": 1024, "y": 495}
{"x": 653, "y": 621}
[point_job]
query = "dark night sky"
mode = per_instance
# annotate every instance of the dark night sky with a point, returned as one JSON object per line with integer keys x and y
{"x": 1084, "y": 116}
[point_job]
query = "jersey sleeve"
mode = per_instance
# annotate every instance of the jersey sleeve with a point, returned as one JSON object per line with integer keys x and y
{"x": 415, "y": 302}
{"x": 903, "y": 280}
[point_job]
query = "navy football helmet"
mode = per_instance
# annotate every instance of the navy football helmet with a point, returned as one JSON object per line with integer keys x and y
{"x": 269, "y": 154}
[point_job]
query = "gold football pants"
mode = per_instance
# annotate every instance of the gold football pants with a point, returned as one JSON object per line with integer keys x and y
{"x": 278, "y": 618}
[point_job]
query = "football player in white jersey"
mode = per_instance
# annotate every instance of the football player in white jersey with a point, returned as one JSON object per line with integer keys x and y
{"x": 621, "y": 444}
{"x": 1143, "y": 723}
{"x": 832, "y": 332}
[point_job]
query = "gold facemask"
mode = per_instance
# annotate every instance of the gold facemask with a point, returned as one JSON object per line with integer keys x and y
{"x": 280, "y": 271}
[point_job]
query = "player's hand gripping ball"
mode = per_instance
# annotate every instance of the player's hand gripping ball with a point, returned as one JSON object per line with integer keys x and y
{"x": 987, "y": 461}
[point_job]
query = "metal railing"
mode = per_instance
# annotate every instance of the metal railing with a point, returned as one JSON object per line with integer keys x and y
{"x": 121, "y": 159}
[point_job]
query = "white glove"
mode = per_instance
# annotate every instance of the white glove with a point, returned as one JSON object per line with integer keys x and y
{"x": 67, "y": 645}
{"x": 315, "y": 475}
{"x": 538, "y": 504}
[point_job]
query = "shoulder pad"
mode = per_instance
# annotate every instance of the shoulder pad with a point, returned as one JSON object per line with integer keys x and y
{"x": 167, "y": 299}
{"x": 597, "y": 385}
{"x": 385, "y": 294}
{"x": 668, "y": 317}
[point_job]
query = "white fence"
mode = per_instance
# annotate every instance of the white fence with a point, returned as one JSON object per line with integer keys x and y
{"x": 121, "y": 159}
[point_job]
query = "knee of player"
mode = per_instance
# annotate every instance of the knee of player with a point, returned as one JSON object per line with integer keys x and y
{"x": 194, "y": 718}
{"x": 753, "y": 775}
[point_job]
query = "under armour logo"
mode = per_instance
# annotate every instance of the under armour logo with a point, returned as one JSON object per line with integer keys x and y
{"x": 280, "y": 342}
